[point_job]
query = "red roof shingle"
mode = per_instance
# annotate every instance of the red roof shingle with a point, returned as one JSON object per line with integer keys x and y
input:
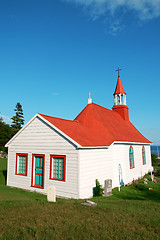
{"x": 97, "y": 126}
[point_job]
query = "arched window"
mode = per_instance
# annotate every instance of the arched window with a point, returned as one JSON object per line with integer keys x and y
{"x": 143, "y": 155}
{"x": 131, "y": 157}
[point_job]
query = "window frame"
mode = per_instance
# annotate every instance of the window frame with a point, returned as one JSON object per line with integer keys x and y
{"x": 51, "y": 167}
{"x": 33, "y": 170}
{"x": 143, "y": 155}
{"x": 17, "y": 163}
{"x": 130, "y": 157}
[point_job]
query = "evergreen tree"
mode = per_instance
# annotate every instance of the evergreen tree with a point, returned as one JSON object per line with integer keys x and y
{"x": 5, "y": 134}
{"x": 18, "y": 119}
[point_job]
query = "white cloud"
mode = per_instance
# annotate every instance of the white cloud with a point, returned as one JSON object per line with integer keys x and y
{"x": 6, "y": 119}
{"x": 143, "y": 9}
{"x": 146, "y": 9}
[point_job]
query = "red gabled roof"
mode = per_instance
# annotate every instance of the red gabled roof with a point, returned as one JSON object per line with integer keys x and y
{"x": 97, "y": 126}
{"x": 119, "y": 87}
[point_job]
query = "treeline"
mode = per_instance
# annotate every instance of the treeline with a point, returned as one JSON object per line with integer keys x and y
{"x": 8, "y": 131}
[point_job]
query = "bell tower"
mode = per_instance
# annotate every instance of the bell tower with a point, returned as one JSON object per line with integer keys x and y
{"x": 120, "y": 100}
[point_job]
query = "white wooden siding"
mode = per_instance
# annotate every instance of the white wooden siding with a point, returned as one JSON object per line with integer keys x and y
{"x": 39, "y": 138}
{"x": 93, "y": 164}
{"x": 105, "y": 164}
{"x": 121, "y": 156}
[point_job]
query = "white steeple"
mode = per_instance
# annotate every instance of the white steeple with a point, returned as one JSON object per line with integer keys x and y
{"x": 89, "y": 99}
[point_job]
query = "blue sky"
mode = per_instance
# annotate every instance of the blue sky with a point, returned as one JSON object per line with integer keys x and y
{"x": 52, "y": 53}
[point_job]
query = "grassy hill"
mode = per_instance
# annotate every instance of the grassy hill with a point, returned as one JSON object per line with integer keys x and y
{"x": 132, "y": 213}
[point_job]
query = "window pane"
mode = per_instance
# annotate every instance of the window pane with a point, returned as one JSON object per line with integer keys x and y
{"x": 131, "y": 156}
{"x": 22, "y": 164}
{"x": 58, "y": 167}
{"x": 144, "y": 155}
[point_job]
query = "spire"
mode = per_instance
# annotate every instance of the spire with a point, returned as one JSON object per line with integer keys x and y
{"x": 89, "y": 99}
{"x": 120, "y": 99}
{"x": 119, "y": 88}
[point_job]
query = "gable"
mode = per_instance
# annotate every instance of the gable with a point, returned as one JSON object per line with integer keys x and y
{"x": 38, "y": 129}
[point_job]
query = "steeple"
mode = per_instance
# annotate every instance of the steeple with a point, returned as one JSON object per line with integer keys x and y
{"x": 89, "y": 99}
{"x": 119, "y": 94}
{"x": 120, "y": 99}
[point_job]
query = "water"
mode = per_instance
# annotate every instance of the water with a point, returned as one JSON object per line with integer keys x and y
{"x": 155, "y": 149}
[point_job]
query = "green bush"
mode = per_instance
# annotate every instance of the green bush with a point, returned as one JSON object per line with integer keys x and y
{"x": 98, "y": 190}
{"x": 141, "y": 186}
{"x": 135, "y": 184}
{"x": 149, "y": 178}
{"x": 158, "y": 172}
{"x": 154, "y": 159}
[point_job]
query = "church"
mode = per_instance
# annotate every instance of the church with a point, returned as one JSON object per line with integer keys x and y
{"x": 71, "y": 154}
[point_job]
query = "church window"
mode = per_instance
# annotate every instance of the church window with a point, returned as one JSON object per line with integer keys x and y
{"x": 57, "y": 167}
{"x": 143, "y": 155}
{"x": 21, "y": 164}
{"x": 131, "y": 157}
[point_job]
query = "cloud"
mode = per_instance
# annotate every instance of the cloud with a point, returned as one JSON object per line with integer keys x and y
{"x": 6, "y": 119}
{"x": 146, "y": 9}
{"x": 142, "y": 9}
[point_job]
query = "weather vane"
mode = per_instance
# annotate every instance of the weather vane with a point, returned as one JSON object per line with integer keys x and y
{"x": 118, "y": 70}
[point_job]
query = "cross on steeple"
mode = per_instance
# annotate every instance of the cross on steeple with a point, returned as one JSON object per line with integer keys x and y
{"x": 118, "y": 70}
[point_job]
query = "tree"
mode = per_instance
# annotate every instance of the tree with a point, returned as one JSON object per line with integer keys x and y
{"x": 154, "y": 158}
{"x": 5, "y": 134}
{"x": 18, "y": 119}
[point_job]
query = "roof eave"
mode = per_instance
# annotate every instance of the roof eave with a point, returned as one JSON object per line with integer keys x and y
{"x": 132, "y": 143}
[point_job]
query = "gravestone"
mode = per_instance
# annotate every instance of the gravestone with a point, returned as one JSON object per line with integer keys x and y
{"x": 108, "y": 187}
{"x": 51, "y": 194}
{"x": 89, "y": 203}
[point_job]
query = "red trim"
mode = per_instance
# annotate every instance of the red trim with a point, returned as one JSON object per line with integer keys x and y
{"x": 33, "y": 170}
{"x": 130, "y": 159}
{"x": 64, "y": 176}
{"x": 142, "y": 155}
{"x": 21, "y": 154}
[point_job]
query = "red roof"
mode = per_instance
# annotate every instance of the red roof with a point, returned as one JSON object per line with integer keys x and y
{"x": 119, "y": 87}
{"x": 97, "y": 126}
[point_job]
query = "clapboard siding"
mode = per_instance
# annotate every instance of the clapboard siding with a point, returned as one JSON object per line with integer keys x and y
{"x": 112, "y": 163}
{"x": 121, "y": 156}
{"x": 39, "y": 138}
{"x": 93, "y": 164}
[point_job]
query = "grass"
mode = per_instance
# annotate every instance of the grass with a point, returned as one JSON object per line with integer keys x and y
{"x": 129, "y": 214}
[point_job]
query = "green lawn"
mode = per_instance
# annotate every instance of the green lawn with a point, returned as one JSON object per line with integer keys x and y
{"x": 132, "y": 213}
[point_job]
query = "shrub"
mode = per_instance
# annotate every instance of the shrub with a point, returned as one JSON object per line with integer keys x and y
{"x": 98, "y": 190}
{"x": 141, "y": 186}
{"x": 149, "y": 178}
{"x": 158, "y": 172}
{"x": 154, "y": 158}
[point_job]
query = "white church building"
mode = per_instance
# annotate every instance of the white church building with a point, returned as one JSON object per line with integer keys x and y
{"x": 71, "y": 154}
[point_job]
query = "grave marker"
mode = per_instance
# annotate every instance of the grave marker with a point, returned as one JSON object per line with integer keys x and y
{"x": 108, "y": 187}
{"x": 51, "y": 194}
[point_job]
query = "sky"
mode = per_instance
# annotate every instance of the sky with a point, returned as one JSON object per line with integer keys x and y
{"x": 54, "y": 52}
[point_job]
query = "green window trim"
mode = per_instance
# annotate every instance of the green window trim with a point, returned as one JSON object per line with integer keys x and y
{"x": 21, "y": 164}
{"x": 143, "y": 155}
{"x": 57, "y": 167}
{"x": 131, "y": 157}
